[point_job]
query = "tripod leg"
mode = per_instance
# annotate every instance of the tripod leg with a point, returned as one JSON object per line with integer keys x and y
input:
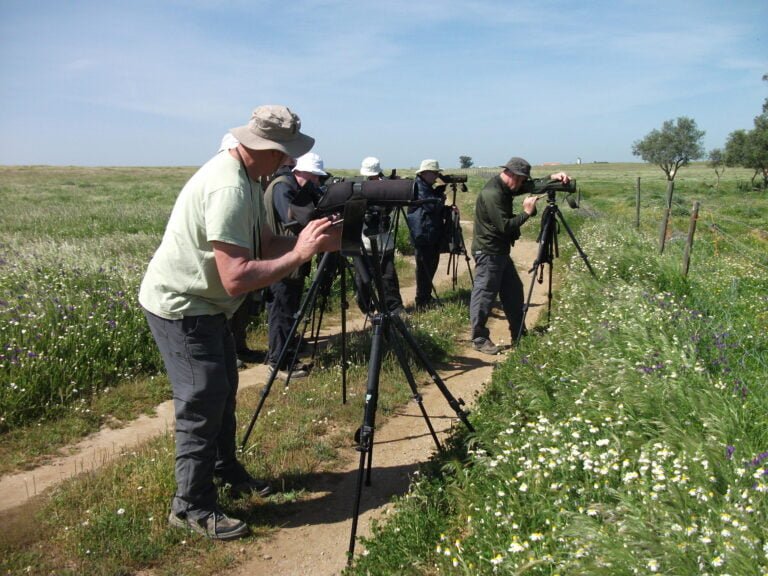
{"x": 414, "y": 346}
{"x": 365, "y": 445}
{"x": 549, "y": 296}
{"x": 547, "y": 240}
{"x": 317, "y": 322}
{"x": 463, "y": 250}
{"x": 467, "y": 259}
{"x": 403, "y": 361}
{"x": 451, "y": 269}
{"x": 527, "y": 303}
{"x": 344, "y": 304}
{"x": 575, "y": 242}
{"x": 309, "y": 300}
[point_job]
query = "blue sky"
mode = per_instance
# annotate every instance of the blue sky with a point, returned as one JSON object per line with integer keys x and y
{"x": 157, "y": 83}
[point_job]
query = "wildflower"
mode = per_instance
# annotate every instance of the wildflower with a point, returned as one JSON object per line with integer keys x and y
{"x": 653, "y": 565}
{"x": 536, "y": 536}
{"x": 120, "y": 511}
{"x": 496, "y": 560}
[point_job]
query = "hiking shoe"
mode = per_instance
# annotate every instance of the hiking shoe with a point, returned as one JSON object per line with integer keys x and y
{"x": 486, "y": 346}
{"x": 299, "y": 371}
{"x": 399, "y": 311}
{"x": 250, "y": 486}
{"x": 216, "y": 525}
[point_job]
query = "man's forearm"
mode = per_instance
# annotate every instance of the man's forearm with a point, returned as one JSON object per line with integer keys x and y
{"x": 277, "y": 246}
{"x": 262, "y": 273}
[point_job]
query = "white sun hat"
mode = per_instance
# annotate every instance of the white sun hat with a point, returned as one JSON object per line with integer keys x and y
{"x": 310, "y": 162}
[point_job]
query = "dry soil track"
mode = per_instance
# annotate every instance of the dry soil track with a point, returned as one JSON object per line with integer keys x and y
{"x": 313, "y": 536}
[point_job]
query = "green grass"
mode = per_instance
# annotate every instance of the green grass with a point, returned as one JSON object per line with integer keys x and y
{"x": 114, "y": 521}
{"x": 628, "y": 438}
{"x": 669, "y": 370}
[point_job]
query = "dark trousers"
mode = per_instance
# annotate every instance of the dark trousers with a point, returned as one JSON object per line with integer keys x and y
{"x": 427, "y": 259}
{"x": 238, "y": 324}
{"x": 495, "y": 275}
{"x": 286, "y": 300}
{"x": 391, "y": 296}
{"x": 199, "y": 356}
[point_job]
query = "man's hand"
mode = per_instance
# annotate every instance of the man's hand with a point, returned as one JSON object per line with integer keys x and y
{"x": 240, "y": 274}
{"x": 529, "y": 205}
{"x": 561, "y": 176}
{"x": 317, "y": 236}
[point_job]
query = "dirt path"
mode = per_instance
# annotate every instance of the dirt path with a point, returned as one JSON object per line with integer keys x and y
{"x": 314, "y": 535}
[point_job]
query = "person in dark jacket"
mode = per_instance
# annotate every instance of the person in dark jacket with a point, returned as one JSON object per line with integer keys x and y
{"x": 496, "y": 228}
{"x": 377, "y": 226}
{"x": 289, "y": 199}
{"x": 425, "y": 222}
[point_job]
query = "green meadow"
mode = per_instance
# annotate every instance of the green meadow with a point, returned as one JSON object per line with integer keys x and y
{"x": 630, "y": 437}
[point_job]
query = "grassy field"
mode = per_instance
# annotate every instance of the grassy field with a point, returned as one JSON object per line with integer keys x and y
{"x": 637, "y": 420}
{"x": 629, "y": 438}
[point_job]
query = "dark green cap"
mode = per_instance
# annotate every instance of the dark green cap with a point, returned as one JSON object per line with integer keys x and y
{"x": 518, "y": 166}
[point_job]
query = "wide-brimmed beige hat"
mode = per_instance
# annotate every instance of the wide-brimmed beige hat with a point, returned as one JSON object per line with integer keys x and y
{"x": 429, "y": 165}
{"x": 274, "y": 127}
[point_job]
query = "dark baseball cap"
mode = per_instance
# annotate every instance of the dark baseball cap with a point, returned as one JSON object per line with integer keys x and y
{"x": 518, "y": 166}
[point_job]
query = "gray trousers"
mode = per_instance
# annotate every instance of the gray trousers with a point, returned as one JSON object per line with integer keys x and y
{"x": 495, "y": 275}
{"x": 199, "y": 356}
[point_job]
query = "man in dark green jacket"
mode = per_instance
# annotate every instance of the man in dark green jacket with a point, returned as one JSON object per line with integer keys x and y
{"x": 496, "y": 228}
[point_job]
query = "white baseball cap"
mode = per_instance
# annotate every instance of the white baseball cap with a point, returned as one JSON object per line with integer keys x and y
{"x": 310, "y": 162}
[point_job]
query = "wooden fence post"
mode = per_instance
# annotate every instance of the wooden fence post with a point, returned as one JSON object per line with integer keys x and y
{"x": 689, "y": 241}
{"x": 670, "y": 190}
{"x": 665, "y": 219}
{"x": 637, "y": 203}
{"x": 663, "y": 230}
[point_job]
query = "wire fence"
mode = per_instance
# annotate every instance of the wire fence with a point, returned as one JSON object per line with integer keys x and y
{"x": 716, "y": 224}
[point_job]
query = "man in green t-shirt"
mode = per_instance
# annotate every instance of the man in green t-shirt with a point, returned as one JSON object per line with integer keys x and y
{"x": 218, "y": 247}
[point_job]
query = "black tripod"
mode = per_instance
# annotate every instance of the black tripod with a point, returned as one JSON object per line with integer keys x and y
{"x": 456, "y": 246}
{"x": 390, "y": 328}
{"x": 326, "y": 269}
{"x": 340, "y": 264}
{"x": 548, "y": 251}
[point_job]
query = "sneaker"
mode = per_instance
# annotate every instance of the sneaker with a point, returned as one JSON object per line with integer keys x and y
{"x": 399, "y": 311}
{"x": 248, "y": 487}
{"x": 486, "y": 346}
{"x": 216, "y": 525}
{"x": 298, "y": 372}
